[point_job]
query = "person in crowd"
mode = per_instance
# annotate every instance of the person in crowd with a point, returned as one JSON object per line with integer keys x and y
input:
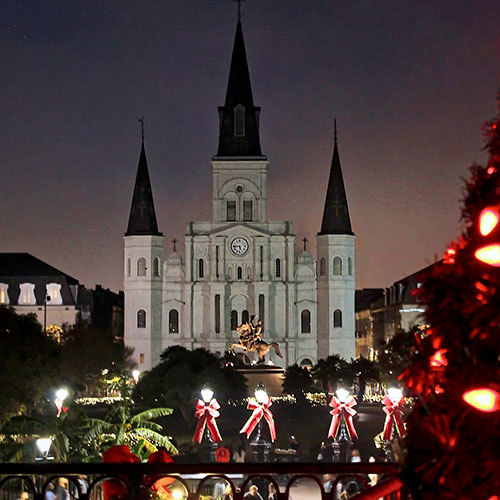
{"x": 24, "y": 496}
{"x": 240, "y": 454}
{"x": 355, "y": 455}
{"x": 228, "y": 493}
{"x": 49, "y": 492}
{"x": 272, "y": 492}
{"x": 252, "y": 493}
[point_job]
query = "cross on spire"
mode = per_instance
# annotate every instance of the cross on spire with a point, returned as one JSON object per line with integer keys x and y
{"x": 141, "y": 120}
{"x": 305, "y": 244}
{"x": 174, "y": 241}
{"x": 239, "y": 8}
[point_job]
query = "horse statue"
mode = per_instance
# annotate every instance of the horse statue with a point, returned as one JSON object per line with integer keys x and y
{"x": 250, "y": 340}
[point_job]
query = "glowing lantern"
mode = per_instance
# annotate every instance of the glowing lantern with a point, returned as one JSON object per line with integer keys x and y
{"x": 484, "y": 399}
{"x": 488, "y": 221}
{"x": 489, "y": 227}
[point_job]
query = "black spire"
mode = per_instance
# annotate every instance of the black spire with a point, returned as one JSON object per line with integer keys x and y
{"x": 336, "y": 215}
{"x": 142, "y": 220}
{"x": 239, "y": 118}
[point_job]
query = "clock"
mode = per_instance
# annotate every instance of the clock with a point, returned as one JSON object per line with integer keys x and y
{"x": 239, "y": 246}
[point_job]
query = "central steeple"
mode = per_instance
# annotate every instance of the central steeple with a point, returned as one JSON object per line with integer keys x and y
{"x": 239, "y": 118}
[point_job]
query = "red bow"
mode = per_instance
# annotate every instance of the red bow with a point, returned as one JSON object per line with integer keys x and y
{"x": 206, "y": 415}
{"x": 340, "y": 410}
{"x": 60, "y": 408}
{"x": 394, "y": 416}
{"x": 259, "y": 411}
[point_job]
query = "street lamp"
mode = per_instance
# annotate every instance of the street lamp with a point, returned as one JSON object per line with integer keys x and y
{"x": 135, "y": 375}
{"x": 342, "y": 444}
{"x": 61, "y": 395}
{"x": 260, "y": 445}
{"x": 393, "y": 411}
{"x": 43, "y": 445}
{"x": 209, "y": 446}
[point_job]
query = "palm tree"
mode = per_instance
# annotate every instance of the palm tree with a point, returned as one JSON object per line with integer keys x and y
{"x": 330, "y": 371}
{"x": 365, "y": 371}
{"x": 297, "y": 380}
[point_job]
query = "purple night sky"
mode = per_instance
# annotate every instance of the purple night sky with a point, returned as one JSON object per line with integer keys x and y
{"x": 410, "y": 84}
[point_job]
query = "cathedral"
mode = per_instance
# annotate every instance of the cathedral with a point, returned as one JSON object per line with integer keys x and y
{"x": 239, "y": 263}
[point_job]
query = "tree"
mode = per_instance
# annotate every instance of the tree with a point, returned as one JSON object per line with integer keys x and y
{"x": 395, "y": 355}
{"x": 298, "y": 380}
{"x": 87, "y": 351}
{"x": 365, "y": 371}
{"x": 455, "y": 369}
{"x": 177, "y": 380}
{"x": 331, "y": 371}
{"x": 29, "y": 363}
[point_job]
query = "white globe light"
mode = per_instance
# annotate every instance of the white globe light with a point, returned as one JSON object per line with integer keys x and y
{"x": 135, "y": 375}
{"x": 62, "y": 394}
{"x": 207, "y": 394}
{"x": 260, "y": 394}
{"x": 43, "y": 445}
{"x": 342, "y": 394}
{"x": 395, "y": 394}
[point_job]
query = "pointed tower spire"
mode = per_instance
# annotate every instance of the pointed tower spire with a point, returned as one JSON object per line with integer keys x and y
{"x": 239, "y": 118}
{"x": 336, "y": 218}
{"x": 142, "y": 220}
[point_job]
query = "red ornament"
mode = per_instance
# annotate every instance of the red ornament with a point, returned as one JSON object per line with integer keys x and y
{"x": 206, "y": 415}
{"x": 438, "y": 359}
{"x": 483, "y": 399}
{"x": 489, "y": 251}
{"x": 394, "y": 417}
{"x": 342, "y": 410}
{"x": 259, "y": 411}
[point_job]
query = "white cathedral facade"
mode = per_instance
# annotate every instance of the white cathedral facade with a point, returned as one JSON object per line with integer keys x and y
{"x": 240, "y": 264}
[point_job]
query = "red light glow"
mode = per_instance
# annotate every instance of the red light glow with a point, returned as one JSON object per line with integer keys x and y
{"x": 489, "y": 255}
{"x": 483, "y": 399}
{"x": 488, "y": 220}
{"x": 438, "y": 359}
{"x": 491, "y": 170}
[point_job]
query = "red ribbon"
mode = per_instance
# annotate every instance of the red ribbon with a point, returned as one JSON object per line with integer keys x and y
{"x": 342, "y": 410}
{"x": 259, "y": 411}
{"x": 60, "y": 408}
{"x": 394, "y": 417}
{"x": 206, "y": 415}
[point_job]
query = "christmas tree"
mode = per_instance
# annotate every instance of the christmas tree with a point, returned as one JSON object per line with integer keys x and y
{"x": 453, "y": 439}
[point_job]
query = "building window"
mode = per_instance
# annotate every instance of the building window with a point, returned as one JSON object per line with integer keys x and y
{"x": 278, "y": 268}
{"x": 129, "y": 267}
{"x": 173, "y": 321}
{"x": 262, "y": 310}
{"x": 217, "y": 313}
{"x": 141, "y": 358}
{"x": 247, "y": 210}
{"x": 337, "y": 266}
{"x": 245, "y": 317}
{"x": 156, "y": 267}
{"x": 141, "y": 267}
{"x": 141, "y": 318}
{"x": 4, "y": 296}
{"x": 240, "y": 273}
{"x": 239, "y": 121}
{"x": 234, "y": 320}
{"x": 201, "y": 268}
{"x": 337, "y": 318}
{"x": 27, "y": 295}
{"x": 305, "y": 321}
{"x": 54, "y": 294}
{"x": 322, "y": 266}
{"x": 231, "y": 210}
{"x": 349, "y": 266}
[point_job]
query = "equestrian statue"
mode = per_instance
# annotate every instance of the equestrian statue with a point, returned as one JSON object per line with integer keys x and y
{"x": 251, "y": 340}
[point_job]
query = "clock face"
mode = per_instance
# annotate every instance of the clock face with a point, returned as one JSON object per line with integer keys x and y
{"x": 239, "y": 246}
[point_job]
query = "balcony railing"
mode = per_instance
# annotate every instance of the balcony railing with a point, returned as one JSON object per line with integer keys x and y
{"x": 294, "y": 481}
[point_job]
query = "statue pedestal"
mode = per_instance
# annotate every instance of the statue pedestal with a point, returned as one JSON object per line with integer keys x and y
{"x": 270, "y": 376}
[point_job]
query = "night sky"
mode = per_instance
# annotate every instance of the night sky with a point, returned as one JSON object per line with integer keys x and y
{"x": 410, "y": 83}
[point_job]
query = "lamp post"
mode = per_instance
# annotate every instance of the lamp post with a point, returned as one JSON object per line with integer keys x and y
{"x": 394, "y": 394}
{"x": 260, "y": 445}
{"x": 43, "y": 445}
{"x": 209, "y": 446}
{"x": 342, "y": 445}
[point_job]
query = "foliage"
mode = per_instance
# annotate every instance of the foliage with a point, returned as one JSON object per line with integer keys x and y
{"x": 331, "y": 372}
{"x": 29, "y": 363}
{"x": 451, "y": 444}
{"x": 119, "y": 426}
{"x": 297, "y": 380}
{"x": 395, "y": 355}
{"x": 364, "y": 370}
{"x": 177, "y": 380}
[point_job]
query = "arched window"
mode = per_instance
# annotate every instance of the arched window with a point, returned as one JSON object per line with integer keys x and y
{"x": 217, "y": 313}
{"x": 173, "y": 321}
{"x": 201, "y": 268}
{"x": 322, "y": 266}
{"x": 53, "y": 294}
{"x": 247, "y": 210}
{"x": 231, "y": 210}
{"x": 141, "y": 318}
{"x": 234, "y": 320}
{"x": 278, "y": 268}
{"x": 141, "y": 267}
{"x": 262, "y": 308}
{"x": 337, "y": 266}
{"x": 230, "y": 272}
{"x": 349, "y": 266}
{"x": 4, "y": 296}
{"x": 129, "y": 267}
{"x": 27, "y": 295}
{"x": 305, "y": 321}
{"x": 239, "y": 273}
{"x": 245, "y": 317}
{"x": 239, "y": 121}
{"x": 337, "y": 318}
{"x": 156, "y": 267}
